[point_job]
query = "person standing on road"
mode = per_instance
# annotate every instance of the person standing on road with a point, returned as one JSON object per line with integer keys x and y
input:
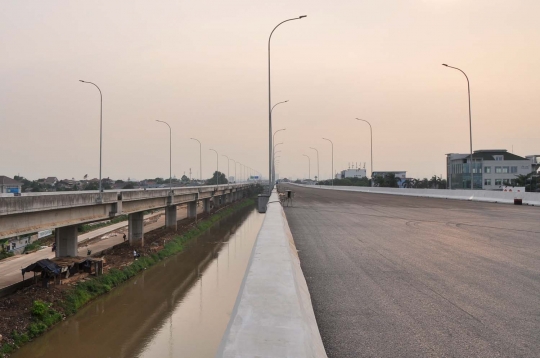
{"x": 124, "y": 237}
{"x": 134, "y": 255}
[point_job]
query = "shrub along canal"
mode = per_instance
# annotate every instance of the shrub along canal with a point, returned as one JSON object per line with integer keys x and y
{"x": 177, "y": 308}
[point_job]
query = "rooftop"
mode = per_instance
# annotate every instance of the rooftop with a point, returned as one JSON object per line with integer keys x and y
{"x": 7, "y": 180}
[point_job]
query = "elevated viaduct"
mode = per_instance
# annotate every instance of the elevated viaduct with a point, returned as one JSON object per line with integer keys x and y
{"x": 64, "y": 212}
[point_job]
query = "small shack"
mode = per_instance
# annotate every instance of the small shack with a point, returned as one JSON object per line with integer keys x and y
{"x": 60, "y": 268}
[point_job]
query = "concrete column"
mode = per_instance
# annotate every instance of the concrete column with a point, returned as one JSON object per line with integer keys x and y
{"x": 170, "y": 217}
{"x": 206, "y": 205}
{"x": 136, "y": 229}
{"x": 216, "y": 201}
{"x": 192, "y": 209}
{"x": 66, "y": 241}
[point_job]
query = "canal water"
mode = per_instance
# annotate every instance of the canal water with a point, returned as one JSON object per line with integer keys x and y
{"x": 178, "y": 308}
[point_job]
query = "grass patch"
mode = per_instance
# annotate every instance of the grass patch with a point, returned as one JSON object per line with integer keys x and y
{"x": 43, "y": 317}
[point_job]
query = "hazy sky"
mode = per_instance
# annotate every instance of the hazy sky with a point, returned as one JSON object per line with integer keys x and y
{"x": 202, "y": 66}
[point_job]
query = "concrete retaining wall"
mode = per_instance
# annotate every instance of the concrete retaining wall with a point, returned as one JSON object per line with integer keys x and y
{"x": 273, "y": 315}
{"x": 474, "y": 195}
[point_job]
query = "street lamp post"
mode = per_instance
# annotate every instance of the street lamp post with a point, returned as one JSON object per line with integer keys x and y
{"x": 217, "y": 166}
{"x": 228, "y": 161}
{"x": 100, "y": 135}
{"x": 309, "y": 165}
{"x": 200, "y": 156}
{"x": 470, "y": 121}
{"x": 332, "y": 159}
{"x": 318, "y": 173}
{"x": 273, "y": 153}
{"x": 270, "y": 107}
{"x": 273, "y": 141}
{"x": 235, "y": 178}
{"x": 371, "y": 133}
{"x": 170, "y": 154}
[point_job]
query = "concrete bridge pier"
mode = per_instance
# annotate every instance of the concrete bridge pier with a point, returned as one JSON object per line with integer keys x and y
{"x": 206, "y": 205}
{"x": 170, "y": 217}
{"x": 66, "y": 241}
{"x": 136, "y": 228}
{"x": 192, "y": 209}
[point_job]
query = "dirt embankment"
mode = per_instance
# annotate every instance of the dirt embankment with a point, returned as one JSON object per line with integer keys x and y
{"x": 15, "y": 310}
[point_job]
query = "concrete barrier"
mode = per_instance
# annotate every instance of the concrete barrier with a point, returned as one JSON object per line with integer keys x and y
{"x": 532, "y": 199}
{"x": 273, "y": 315}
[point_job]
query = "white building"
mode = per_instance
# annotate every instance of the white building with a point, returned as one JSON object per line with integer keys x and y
{"x": 492, "y": 169}
{"x": 351, "y": 173}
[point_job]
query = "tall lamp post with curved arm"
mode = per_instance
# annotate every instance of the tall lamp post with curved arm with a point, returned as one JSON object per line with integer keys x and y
{"x": 100, "y": 134}
{"x": 470, "y": 121}
{"x": 170, "y": 154}
{"x": 217, "y": 166}
{"x": 228, "y": 161}
{"x": 371, "y": 133}
{"x": 318, "y": 173}
{"x": 235, "y": 178}
{"x": 332, "y": 159}
{"x": 270, "y": 105}
{"x": 200, "y": 156}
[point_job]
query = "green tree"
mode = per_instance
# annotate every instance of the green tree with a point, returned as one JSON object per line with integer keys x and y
{"x": 213, "y": 179}
{"x": 129, "y": 186}
{"x": 184, "y": 179}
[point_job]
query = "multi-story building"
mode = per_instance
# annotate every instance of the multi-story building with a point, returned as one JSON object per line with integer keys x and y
{"x": 351, "y": 173}
{"x": 492, "y": 169}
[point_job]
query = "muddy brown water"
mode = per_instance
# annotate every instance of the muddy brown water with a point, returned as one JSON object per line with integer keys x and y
{"x": 178, "y": 308}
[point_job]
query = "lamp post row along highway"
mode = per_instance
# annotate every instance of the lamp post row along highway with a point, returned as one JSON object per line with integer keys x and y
{"x": 270, "y": 105}
{"x": 200, "y": 156}
{"x": 273, "y": 141}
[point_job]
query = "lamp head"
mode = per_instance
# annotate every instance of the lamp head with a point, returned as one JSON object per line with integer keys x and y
{"x": 82, "y": 81}
{"x": 302, "y": 16}
{"x": 444, "y": 64}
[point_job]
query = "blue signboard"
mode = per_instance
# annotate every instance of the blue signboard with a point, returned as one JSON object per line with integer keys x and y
{"x": 13, "y": 190}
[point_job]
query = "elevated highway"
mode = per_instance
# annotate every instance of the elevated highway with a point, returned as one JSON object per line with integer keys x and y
{"x": 400, "y": 276}
{"x": 65, "y": 211}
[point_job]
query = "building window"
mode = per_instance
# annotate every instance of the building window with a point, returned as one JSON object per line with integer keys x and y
{"x": 498, "y": 157}
{"x": 505, "y": 170}
{"x": 498, "y": 181}
{"x": 498, "y": 170}
{"x": 506, "y": 181}
{"x": 487, "y": 170}
{"x": 487, "y": 181}
{"x": 513, "y": 169}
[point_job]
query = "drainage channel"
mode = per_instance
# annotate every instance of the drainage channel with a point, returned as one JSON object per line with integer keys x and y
{"x": 178, "y": 308}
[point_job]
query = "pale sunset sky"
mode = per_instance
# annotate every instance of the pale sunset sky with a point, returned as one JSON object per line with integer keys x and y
{"x": 202, "y": 67}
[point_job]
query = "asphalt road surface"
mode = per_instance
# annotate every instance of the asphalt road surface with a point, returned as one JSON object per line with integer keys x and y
{"x": 396, "y": 276}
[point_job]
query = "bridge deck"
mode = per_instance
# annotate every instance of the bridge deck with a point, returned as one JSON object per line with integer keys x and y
{"x": 394, "y": 276}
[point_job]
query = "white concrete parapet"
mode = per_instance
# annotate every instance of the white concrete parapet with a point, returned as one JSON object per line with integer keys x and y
{"x": 273, "y": 315}
{"x": 474, "y": 195}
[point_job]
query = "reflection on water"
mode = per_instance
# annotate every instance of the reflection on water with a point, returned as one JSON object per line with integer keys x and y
{"x": 178, "y": 308}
